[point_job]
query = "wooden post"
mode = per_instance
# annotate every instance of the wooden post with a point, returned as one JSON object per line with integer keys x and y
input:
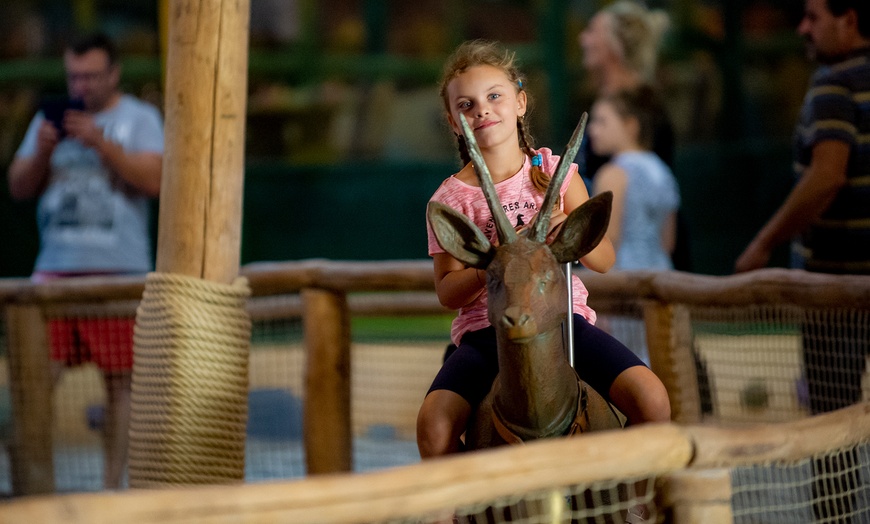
{"x": 199, "y": 232}
{"x": 203, "y": 166}
{"x": 327, "y": 423}
{"x": 698, "y": 496}
{"x": 672, "y": 357}
{"x": 30, "y": 452}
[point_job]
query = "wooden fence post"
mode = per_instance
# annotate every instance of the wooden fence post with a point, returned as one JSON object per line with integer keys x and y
{"x": 327, "y": 426}
{"x": 30, "y": 451}
{"x": 698, "y": 496}
{"x": 672, "y": 357}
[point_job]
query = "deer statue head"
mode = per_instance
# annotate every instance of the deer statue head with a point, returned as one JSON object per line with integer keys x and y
{"x": 536, "y": 392}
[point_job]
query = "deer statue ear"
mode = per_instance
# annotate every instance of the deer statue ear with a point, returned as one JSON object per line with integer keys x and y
{"x": 583, "y": 229}
{"x": 458, "y": 235}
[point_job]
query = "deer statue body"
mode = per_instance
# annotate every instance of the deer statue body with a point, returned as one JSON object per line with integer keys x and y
{"x": 537, "y": 393}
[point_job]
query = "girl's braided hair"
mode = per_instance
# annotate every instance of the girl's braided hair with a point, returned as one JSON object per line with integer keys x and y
{"x": 484, "y": 52}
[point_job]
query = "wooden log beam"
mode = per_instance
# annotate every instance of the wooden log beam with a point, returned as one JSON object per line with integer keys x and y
{"x": 764, "y": 443}
{"x": 396, "y": 493}
{"x": 772, "y": 286}
{"x": 273, "y": 278}
{"x": 768, "y": 286}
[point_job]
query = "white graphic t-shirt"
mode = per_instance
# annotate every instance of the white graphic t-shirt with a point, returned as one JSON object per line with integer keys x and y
{"x": 89, "y": 219}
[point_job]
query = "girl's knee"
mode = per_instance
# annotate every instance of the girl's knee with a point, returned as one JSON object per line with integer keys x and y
{"x": 432, "y": 437}
{"x": 641, "y": 396}
{"x": 655, "y": 404}
{"x": 440, "y": 423}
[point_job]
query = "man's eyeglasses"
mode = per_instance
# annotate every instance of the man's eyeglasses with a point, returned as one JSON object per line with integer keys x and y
{"x": 91, "y": 76}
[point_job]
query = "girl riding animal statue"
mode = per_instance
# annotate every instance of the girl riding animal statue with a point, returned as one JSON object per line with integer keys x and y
{"x": 536, "y": 393}
{"x": 508, "y": 319}
{"x": 509, "y": 378}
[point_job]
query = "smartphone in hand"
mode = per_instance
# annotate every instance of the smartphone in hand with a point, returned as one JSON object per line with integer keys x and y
{"x": 53, "y": 110}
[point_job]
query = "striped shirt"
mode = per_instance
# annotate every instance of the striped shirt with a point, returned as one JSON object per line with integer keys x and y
{"x": 837, "y": 107}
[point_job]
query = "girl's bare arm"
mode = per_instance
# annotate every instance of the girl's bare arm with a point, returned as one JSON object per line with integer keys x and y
{"x": 602, "y": 258}
{"x": 455, "y": 284}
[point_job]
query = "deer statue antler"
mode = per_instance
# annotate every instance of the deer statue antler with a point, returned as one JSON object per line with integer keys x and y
{"x": 539, "y": 229}
{"x": 506, "y": 233}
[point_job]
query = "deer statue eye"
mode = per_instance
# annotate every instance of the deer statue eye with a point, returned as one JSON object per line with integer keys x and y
{"x": 544, "y": 283}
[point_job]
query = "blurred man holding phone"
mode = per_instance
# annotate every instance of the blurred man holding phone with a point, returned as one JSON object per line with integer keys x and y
{"x": 54, "y": 109}
{"x": 93, "y": 162}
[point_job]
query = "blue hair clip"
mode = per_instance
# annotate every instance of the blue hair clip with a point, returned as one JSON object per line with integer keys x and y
{"x": 520, "y": 83}
{"x": 537, "y": 160}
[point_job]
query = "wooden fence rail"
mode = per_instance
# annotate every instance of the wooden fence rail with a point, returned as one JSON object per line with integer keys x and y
{"x": 679, "y": 456}
{"x": 327, "y": 291}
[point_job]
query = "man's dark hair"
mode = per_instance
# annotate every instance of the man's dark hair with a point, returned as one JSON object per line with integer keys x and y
{"x": 861, "y": 8}
{"x": 95, "y": 41}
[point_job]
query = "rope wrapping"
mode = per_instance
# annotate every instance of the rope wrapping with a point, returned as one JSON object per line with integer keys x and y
{"x": 190, "y": 382}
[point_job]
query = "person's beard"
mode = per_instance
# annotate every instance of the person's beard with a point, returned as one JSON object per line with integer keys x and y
{"x": 815, "y": 54}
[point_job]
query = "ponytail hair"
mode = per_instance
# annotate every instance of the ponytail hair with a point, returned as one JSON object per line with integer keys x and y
{"x": 637, "y": 33}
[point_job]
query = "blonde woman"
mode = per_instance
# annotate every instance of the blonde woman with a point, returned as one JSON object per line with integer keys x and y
{"x": 620, "y": 47}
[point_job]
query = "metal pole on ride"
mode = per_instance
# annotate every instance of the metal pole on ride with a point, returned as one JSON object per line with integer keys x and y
{"x": 569, "y": 324}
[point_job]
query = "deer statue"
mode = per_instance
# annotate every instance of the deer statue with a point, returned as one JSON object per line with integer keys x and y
{"x": 537, "y": 393}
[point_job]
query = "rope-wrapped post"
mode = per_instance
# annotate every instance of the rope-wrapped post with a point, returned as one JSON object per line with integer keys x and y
{"x": 192, "y": 339}
{"x": 190, "y": 382}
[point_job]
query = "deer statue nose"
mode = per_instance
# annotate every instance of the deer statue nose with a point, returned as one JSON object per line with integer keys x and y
{"x": 517, "y": 323}
{"x": 514, "y": 316}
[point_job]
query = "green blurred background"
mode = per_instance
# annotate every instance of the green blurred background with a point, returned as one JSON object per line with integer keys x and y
{"x": 345, "y": 135}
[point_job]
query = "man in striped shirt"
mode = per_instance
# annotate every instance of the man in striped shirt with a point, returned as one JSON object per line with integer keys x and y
{"x": 829, "y": 207}
{"x": 830, "y": 203}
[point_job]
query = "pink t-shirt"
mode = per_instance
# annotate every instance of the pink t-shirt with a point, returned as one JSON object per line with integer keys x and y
{"x": 521, "y": 202}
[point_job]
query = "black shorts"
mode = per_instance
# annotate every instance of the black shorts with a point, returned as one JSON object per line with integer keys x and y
{"x": 470, "y": 369}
